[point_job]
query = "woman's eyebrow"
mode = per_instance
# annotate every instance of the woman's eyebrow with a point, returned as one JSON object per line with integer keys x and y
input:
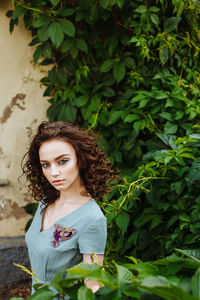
{"x": 60, "y": 156}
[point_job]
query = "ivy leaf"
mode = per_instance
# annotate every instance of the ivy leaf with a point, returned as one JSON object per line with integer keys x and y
{"x": 117, "y": 155}
{"x": 120, "y": 3}
{"x": 143, "y": 103}
{"x": 81, "y": 101}
{"x": 154, "y": 9}
{"x": 123, "y": 275}
{"x": 67, "y": 113}
{"x": 129, "y": 62}
{"x": 107, "y": 65}
{"x": 52, "y": 75}
{"x": 46, "y": 62}
{"x": 66, "y": 45}
{"x": 9, "y": 13}
{"x": 108, "y": 92}
{"x": 55, "y": 2}
{"x": 65, "y": 12}
{"x": 34, "y": 42}
{"x": 179, "y": 115}
{"x": 53, "y": 110}
{"x": 61, "y": 76}
{"x": 85, "y": 113}
{"x": 56, "y": 33}
{"x": 195, "y": 170}
{"x": 163, "y": 53}
{"x": 39, "y": 3}
{"x": 94, "y": 14}
{"x": 155, "y": 222}
{"x": 188, "y": 155}
{"x": 41, "y": 21}
{"x": 104, "y": 3}
{"x": 43, "y": 293}
{"x": 67, "y": 27}
{"x": 43, "y": 34}
{"x": 196, "y": 284}
{"x": 172, "y": 220}
{"x": 47, "y": 50}
{"x": 73, "y": 51}
{"x": 119, "y": 71}
{"x": 141, "y": 9}
{"x": 114, "y": 40}
{"x": 154, "y": 19}
{"x": 12, "y": 24}
{"x": 166, "y": 115}
{"x": 170, "y": 128}
{"x": 185, "y": 218}
{"x": 18, "y": 12}
{"x": 114, "y": 116}
{"x": 85, "y": 294}
{"x": 171, "y": 24}
{"x": 122, "y": 221}
{"x": 81, "y": 44}
{"x": 38, "y": 53}
{"x": 131, "y": 117}
{"x": 138, "y": 125}
{"x": 31, "y": 208}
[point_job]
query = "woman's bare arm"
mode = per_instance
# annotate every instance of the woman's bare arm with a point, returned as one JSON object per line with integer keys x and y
{"x": 91, "y": 259}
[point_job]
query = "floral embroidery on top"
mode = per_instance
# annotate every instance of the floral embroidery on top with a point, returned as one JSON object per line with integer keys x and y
{"x": 61, "y": 234}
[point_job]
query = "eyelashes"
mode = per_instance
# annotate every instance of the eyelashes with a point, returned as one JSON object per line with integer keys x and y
{"x": 63, "y": 161}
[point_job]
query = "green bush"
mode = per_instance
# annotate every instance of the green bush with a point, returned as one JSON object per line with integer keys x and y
{"x": 171, "y": 278}
{"x": 129, "y": 70}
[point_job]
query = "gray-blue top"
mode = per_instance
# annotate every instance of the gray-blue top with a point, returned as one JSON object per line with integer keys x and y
{"x": 90, "y": 236}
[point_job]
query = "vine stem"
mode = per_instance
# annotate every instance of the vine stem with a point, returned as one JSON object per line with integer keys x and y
{"x": 84, "y": 61}
{"x": 18, "y": 3}
{"x": 137, "y": 185}
{"x": 96, "y": 117}
{"x": 122, "y": 25}
{"x": 181, "y": 73}
{"x": 153, "y": 123}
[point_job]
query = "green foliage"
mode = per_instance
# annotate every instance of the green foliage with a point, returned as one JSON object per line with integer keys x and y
{"x": 170, "y": 278}
{"x": 30, "y": 208}
{"x": 129, "y": 70}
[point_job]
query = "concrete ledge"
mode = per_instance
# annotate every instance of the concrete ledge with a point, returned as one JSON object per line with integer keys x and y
{"x": 13, "y": 250}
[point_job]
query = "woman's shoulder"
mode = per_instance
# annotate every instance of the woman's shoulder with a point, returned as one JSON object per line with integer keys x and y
{"x": 93, "y": 211}
{"x": 95, "y": 208}
{"x": 92, "y": 218}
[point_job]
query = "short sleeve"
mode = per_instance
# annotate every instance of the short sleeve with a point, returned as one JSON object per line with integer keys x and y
{"x": 93, "y": 238}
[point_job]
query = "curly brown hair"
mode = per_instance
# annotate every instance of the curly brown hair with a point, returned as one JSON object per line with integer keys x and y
{"x": 94, "y": 169}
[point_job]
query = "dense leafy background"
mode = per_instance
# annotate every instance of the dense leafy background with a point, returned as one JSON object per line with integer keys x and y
{"x": 129, "y": 70}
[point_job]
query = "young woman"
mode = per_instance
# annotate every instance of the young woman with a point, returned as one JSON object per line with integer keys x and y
{"x": 66, "y": 172}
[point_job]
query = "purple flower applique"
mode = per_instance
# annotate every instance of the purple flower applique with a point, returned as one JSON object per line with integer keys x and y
{"x": 61, "y": 234}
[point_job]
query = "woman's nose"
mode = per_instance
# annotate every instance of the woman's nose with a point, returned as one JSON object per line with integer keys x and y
{"x": 54, "y": 170}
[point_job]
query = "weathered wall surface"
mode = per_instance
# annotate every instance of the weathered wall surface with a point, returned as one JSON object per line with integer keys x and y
{"x": 22, "y": 108}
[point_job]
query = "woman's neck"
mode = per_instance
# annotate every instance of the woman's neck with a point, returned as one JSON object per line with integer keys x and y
{"x": 78, "y": 195}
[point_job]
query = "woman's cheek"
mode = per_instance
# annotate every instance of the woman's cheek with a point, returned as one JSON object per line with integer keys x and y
{"x": 45, "y": 174}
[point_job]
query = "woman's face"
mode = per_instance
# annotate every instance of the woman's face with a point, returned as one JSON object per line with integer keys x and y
{"x": 59, "y": 165}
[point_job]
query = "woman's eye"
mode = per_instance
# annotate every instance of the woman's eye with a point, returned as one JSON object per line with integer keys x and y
{"x": 45, "y": 165}
{"x": 63, "y": 161}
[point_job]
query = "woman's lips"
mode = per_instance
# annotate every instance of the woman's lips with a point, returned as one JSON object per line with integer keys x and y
{"x": 57, "y": 181}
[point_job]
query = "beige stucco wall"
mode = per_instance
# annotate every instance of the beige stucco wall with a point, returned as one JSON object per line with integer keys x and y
{"x": 22, "y": 108}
